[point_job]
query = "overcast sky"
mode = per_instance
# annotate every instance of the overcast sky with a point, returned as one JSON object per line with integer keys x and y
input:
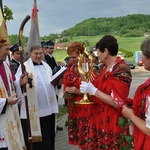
{"x": 57, "y": 15}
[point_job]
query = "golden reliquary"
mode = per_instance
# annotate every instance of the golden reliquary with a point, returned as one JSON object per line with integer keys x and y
{"x": 85, "y": 67}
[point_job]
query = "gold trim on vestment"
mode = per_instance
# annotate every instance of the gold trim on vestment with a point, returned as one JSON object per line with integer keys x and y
{"x": 36, "y": 138}
{"x": 10, "y": 121}
{"x": 24, "y": 148}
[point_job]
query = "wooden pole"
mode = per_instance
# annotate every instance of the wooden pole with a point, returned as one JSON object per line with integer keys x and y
{"x": 36, "y": 18}
{"x": 23, "y": 70}
{"x": 1, "y": 5}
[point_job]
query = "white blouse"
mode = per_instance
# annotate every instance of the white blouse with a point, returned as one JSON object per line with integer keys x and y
{"x": 147, "y": 114}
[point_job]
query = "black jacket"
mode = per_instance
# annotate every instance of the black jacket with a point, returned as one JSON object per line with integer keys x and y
{"x": 16, "y": 65}
{"x": 52, "y": 63}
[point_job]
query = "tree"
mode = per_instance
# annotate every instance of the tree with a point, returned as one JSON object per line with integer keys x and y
{"x": 7, "y": 13}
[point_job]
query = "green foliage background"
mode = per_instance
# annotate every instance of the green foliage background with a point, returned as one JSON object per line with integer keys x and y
{"x": 130, "y": 44}
{"x": 128, "y": 26}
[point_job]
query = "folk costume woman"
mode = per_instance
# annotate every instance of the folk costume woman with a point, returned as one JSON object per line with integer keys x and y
{"x": 78, "y": 115}
{"x": 110, "y": 92}
{"x": 140, "y": 115}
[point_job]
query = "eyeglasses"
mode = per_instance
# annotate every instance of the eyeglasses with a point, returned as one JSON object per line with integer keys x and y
{"x": 38, "y": 53}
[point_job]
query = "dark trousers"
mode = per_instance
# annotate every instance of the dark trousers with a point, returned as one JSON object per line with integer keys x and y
{"x": 48, "y": 133}
{"x": 3, "y": 148}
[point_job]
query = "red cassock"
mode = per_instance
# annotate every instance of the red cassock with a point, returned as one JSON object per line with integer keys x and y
{"x": 4, "y": 77}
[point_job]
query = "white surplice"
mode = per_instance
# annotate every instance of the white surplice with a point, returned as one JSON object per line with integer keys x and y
{"x": 47, "y": 103}
{"x": 42, "y": 96}
{"x": 9, "y": 117}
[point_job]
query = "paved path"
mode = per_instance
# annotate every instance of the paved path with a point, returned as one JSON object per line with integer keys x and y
{"x": 61, "y": 142}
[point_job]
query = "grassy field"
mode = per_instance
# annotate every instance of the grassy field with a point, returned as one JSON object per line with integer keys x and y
{"x": 62, "y": 111}
{"x": 127, "y": 43}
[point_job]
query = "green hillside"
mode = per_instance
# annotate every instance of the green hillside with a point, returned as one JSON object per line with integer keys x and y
{"x": 134, "y": 25}
{"x": 129, "y": 31}
{"x": 130, "y": 44}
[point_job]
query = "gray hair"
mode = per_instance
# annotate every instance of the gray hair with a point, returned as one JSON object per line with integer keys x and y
{"x": 34, "y": 48}
{"x": 145, "y": 48}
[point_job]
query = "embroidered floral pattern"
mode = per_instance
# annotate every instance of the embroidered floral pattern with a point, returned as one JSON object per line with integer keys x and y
{"x": 107, "y": 134}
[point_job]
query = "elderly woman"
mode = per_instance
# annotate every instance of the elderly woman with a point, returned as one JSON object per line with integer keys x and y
{"x": 140, "y": 112}
{"x": 109, "y": 92}
{"x": 78, "y": 115}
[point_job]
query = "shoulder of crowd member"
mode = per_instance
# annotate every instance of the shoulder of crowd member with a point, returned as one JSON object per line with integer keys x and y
{"x": 13, "y": 66}
{"x": 45, "y": 63}
{"x": 122, "y": 72}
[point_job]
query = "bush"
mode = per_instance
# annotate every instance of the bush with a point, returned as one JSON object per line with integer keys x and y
{"x": 126, "y": 53}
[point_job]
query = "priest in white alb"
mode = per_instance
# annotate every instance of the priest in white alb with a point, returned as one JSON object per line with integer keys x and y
{"x": 42, "y": 102}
